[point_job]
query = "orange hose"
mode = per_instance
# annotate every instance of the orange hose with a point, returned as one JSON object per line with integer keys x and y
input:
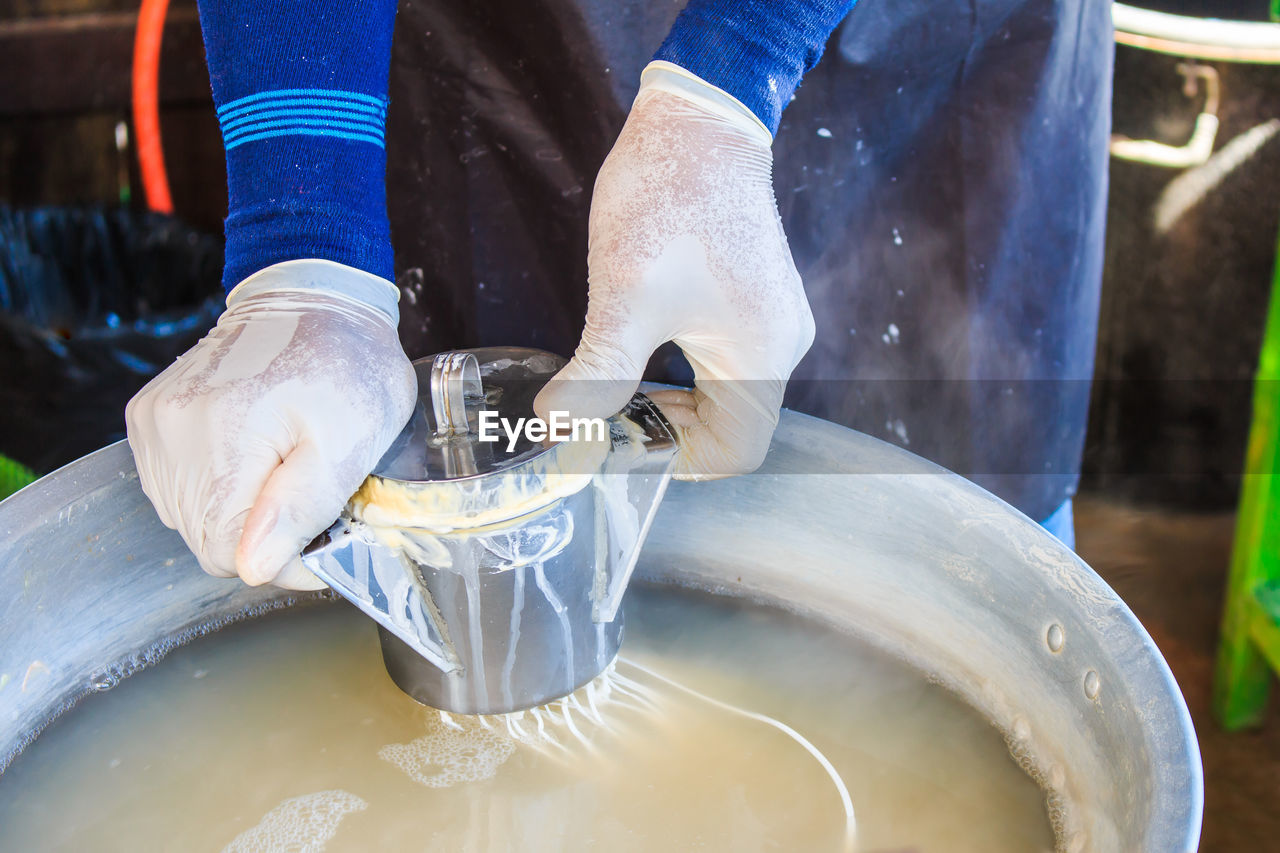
{"x": 146, "y": 104}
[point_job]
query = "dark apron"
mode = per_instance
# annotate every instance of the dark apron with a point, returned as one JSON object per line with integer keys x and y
{"x": 941, "y": 175}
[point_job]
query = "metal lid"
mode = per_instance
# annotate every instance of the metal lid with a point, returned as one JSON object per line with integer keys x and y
{"x": 442, "y": 439}
{"x": 439, "y": 475}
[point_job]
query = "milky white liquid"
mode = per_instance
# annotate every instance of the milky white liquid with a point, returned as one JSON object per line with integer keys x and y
{"x": 722, "y": 727}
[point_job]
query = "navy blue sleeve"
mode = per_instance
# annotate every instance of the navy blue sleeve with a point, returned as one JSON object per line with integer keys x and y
{"x": 756, "y": 50}
{"x": 300, "y": 88}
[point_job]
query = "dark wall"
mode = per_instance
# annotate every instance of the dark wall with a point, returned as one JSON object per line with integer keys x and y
{"x": 65, "y": 67}
{"x": 1182, "y": 311}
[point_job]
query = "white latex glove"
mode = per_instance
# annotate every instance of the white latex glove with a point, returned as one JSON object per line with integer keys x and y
{"x": 686, "y": 245}
{"x": 250, "y": 444}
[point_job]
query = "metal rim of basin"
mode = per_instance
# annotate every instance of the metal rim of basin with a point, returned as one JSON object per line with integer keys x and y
{"x": 837, "y": 526}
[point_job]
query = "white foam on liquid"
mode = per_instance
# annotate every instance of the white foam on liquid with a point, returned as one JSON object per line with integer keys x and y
{"x": 456, "y": 749}
{"x": 299, "y": 825}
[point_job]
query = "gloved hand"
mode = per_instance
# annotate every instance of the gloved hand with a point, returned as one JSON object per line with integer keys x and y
{"x": 686, "y": 245}
{"x": 250, "y": 444}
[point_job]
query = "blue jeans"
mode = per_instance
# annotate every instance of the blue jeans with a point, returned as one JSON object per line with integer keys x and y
{"x": 1062, "y": 524}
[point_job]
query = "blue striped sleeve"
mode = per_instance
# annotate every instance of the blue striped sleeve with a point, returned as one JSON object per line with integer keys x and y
{"x": 300, "y": 88}
{"x": 304, "y": 112}
{"x": 756, "y": 50}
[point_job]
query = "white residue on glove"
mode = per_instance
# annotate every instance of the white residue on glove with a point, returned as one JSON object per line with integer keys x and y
{"x": 686, "y": 245}
{"x": 250, "y": 444}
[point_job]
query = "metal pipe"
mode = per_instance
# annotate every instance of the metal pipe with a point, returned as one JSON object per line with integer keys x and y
{"x": 1199, "y": 147}
{"x": 1197, "y": 38}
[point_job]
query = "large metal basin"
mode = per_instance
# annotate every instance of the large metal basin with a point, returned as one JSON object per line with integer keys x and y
{"x": 837, "y": 526}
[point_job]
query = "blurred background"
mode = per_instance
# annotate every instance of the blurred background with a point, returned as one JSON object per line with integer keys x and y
{"x": 106, "y": 276}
